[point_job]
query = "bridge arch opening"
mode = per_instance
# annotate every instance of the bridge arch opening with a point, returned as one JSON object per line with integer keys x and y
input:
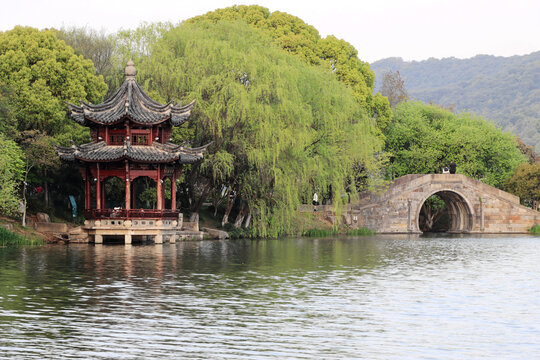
{"x": 445, "y": 211}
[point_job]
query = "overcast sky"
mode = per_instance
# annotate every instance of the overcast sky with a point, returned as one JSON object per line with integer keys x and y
{"x": 411, "y": 29}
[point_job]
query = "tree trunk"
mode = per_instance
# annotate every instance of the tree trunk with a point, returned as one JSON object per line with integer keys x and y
{"x": 431, "y": 217}
{"x": 248, "y": 220}
{"x": 46, "y": 188}
{"x": 216, "y": 201}
{"x": 194, "y": 216}
{"x": 230, "y": 203}
{"x": 28, "y": 168}
{"x": 241, "y": 215}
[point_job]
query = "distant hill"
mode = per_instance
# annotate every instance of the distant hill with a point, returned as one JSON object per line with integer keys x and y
{"x": 505, "y": 90}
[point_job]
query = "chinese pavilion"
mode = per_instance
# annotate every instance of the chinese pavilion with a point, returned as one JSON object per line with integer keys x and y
{"x": 130, "y": 134}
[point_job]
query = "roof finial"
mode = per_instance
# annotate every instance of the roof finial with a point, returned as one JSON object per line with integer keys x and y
{"x": 130, "y": 70}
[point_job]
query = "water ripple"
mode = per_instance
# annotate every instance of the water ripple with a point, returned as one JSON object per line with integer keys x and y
{"x": 342, "y": 298}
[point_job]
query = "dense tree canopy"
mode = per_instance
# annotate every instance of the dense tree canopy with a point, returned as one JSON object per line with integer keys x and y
{"x": 424, "y": 138}
{"x": 525, "y": 183}
{"x": 42, "y": 73}
{"x": 280, "y": 128}
{"x": 38, "y": 74}
{"x": 11, "y": 172}
{"x": 296, "y": 37}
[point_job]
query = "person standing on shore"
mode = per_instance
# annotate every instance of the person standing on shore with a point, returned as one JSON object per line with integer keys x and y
{"x": 315, "y": 201}
{"x": 452, "y": 167}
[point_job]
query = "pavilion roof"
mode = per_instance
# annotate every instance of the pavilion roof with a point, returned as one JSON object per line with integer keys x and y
{"x": 155, "y": 153}
{"x": 131, "y": 101}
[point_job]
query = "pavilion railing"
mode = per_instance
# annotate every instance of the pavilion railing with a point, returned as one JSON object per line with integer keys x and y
{"x": 131, "y": 214}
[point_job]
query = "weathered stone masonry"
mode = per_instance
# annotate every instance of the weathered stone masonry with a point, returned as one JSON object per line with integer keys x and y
{"x": 474, "y": 207}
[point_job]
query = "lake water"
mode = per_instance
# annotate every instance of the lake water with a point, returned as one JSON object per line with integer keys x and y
{"x": 333, "y": 298}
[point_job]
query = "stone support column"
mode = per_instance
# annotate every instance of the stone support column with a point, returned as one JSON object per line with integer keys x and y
{"x": 127, "y": 239}
{"x": 98, "y": 239}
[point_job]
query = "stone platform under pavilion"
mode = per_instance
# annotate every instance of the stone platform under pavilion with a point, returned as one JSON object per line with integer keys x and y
{"x": 160, "y": 229}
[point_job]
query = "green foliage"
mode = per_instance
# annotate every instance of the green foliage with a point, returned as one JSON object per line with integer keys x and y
{"x": 8, "y": 122}
{"x": 116, "y": 192}
{"x": 296, "y": 37}
{"x": 433, "y": 209}
{"x": 239, "y": 233}
{"x": 319, "y": 232}
{"x": 501, "y": 89}
{"x": 136, "y": 44}
{"x": 11, "y": 173}
{"x": 220, "y": 164}
{"x": 38, "y": 150}
{"x": 43, "y": 73}
{"x": 360, "y": 232}
{"x": 423, "y": 139}
{"x": 525, "y": 183}
{"x": 279, "y": 127}
{"x": 10, "y": 238}
{"x": 535, "y": 229}
{"x": 149, "y": 196}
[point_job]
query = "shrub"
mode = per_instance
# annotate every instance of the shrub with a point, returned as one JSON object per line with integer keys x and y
{"x": 319, "y": 232}
{"x": 360, "y": 232}
{"x": 535, "y": 229}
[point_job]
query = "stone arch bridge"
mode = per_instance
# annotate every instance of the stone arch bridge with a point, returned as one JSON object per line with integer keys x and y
{"x": 473, "y": 207}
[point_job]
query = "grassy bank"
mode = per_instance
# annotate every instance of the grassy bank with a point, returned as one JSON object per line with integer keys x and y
{"x": 319, "y": 232}
{"x": 331, "y": 232}
{"x": 9, "y": 238}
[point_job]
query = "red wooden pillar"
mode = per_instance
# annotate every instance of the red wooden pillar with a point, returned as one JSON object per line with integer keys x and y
{"x": 128, "y": 187}
{"x": 173, "y": 191}
{"x": 98, "y": 189}
{"x": 158, "y": 186}
{"x": 87, "y": 189}
{"x": 133, "y": 197}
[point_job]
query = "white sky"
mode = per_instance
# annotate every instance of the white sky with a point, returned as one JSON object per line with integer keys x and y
{"x": 411, "y": 29}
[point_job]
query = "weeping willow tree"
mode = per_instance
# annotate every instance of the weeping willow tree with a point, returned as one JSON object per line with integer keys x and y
{"x": 296, "y": 37}
{"x": 281, "y": 129}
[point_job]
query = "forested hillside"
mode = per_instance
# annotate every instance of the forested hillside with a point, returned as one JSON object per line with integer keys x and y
{"x": 506, "y": 90}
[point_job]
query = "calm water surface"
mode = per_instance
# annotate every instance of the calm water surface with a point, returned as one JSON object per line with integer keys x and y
{"x": 334, "y": 298}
